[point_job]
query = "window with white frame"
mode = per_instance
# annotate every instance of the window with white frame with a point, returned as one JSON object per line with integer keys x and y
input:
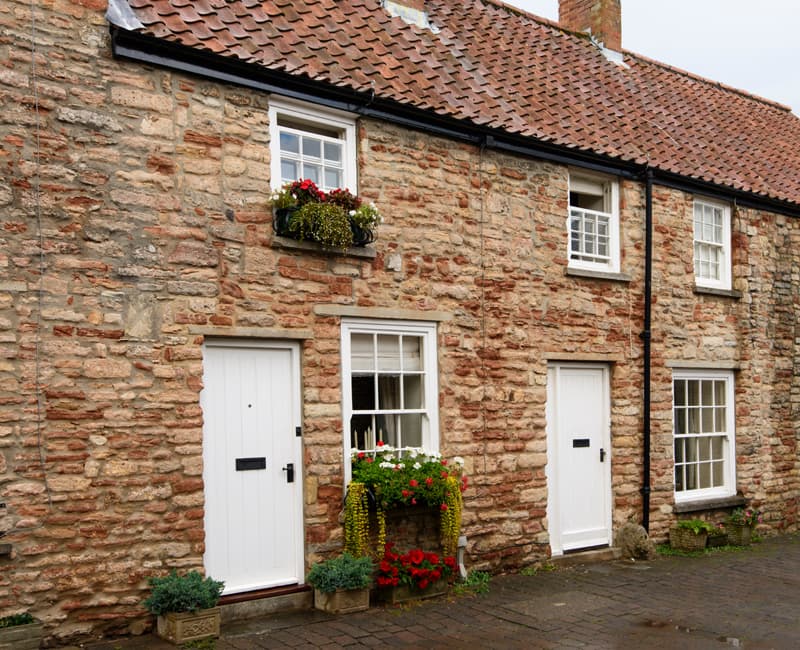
{"x": 703, "y": 421}
{"x": 712, "y": 244}
{"x": 389, "y": 384}
{"x": 593, "y": 223}
{"x": 312, "y": 143}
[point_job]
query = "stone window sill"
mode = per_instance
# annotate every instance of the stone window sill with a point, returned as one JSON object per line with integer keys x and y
{"x": 598, "y": 275}
{"x": 710, "y": 504}
{"x": 725, "y": 293}
{"x": 362, "y": 252}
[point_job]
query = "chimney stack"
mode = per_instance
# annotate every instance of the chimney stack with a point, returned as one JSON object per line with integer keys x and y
{"x": 602, "y": 18}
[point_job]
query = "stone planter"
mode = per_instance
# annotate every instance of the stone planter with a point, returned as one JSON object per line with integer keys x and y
{"x": 717, "y": 539}
{"x": 22, "y": 637}
{"x": 739, "y": 534}
{"x": 403, "y": 593}
{"x": 686, "y": 540}
{"x": 342, "y": 601}
{"x": 180, "y": 627}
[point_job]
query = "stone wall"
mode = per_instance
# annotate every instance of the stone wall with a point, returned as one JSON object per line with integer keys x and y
{"x": 134, "y": 211}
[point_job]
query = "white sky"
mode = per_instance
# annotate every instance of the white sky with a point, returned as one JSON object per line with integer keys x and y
{"x": 754, "y": 46}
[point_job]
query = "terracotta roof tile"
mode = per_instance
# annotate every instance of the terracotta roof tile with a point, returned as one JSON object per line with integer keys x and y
{"x": 496, "y": 66}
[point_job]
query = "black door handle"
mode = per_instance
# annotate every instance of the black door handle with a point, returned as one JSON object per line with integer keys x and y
{"x": 602, "y": 455}
{"x": 289, "y": 469}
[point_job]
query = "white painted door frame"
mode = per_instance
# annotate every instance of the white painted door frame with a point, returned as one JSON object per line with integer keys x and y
{"x": 578, "y": 468}
{"x": 252, "y": 415}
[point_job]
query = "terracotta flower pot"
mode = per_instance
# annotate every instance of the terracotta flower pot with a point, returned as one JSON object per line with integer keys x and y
{"x": 402, "y": 593}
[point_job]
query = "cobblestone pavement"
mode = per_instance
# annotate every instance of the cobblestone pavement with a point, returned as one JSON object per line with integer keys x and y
{"x": 747, "y": 599}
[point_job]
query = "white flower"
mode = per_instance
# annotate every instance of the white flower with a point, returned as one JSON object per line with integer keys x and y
{"x": 416, "y": 466}
{"x": 386, "y": 465}
{"x": 458, "y": 461}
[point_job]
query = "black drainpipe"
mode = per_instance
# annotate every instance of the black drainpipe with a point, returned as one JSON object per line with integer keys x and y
{"x": 648, "y": 290}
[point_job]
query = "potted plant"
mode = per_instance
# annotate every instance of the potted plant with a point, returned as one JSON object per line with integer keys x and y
{"x": 717, "y": 537}
{"x": 413, "y": 575}
{"x": 388, "y": 478}
{"x": 20, "y": 632}
{"x": 341, "y": 584}
{"x": 337, "y": 219}
{"x": 740, "y": 525}
{"x": 690, "y": 534}
{"x": 185, "y": 606}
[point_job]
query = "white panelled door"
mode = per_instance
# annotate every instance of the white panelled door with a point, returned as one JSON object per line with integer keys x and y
{"x": 578, "y": 463}
{"x": 252, "y": 460}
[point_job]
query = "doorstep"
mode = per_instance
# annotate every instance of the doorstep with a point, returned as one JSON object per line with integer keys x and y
{"x": 240, "y": 607}
{"x": 590, "y": 556}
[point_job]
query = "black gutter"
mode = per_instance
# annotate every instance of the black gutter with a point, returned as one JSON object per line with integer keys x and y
{"x": 148, "y": 49}
{"x": 646, "y": 335}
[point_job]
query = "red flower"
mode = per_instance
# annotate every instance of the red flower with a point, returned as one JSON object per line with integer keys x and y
{"x": 443, "y": 507}
{"x": 413, "y": 502}
{"x": 370, "y": 459}
{"x": 379, "y": 443}
{"x": 444, "y": 475}
{"x": 361, "y": 454}
{"x": 406, "y": 493}
{"x": 423, "y": 584}
{"x": 416, "y": 556}
{"x": 413, "y": 482}
{"x": 444, "y": 462}
{"x": 429, "y": 481}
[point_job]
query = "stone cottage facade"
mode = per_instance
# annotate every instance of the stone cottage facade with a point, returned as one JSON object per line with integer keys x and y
{"x": 585, "y": 285}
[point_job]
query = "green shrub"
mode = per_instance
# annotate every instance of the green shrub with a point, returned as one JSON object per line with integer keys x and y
{"x": 325, "y": 223}
{"x": 16, "y": 619}
{"x": 343, "y": 572}
{"x": 697, "y": 526}
{"x": 187, "y": 593}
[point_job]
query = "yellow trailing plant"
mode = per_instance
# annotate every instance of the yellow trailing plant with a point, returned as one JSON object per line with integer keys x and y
{"x": 450, "y": 526}
{"x": 356, "y": 520}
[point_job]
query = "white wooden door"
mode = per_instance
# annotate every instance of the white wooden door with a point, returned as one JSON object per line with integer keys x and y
{"x": 251, "y": 448}
{"x": 578, "y": 464}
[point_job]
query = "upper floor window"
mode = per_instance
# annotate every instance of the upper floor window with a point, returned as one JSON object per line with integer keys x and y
{"x": 389, "y": 385}
{"x": 313, "y": 143}
{"x": 712, "y": 244}
{"x": 593, "y": 223}
{"x": 703, "y": 421}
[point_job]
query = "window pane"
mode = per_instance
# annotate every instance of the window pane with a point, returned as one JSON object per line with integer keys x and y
{"x": 693, "y": 392}
{"x": 363, "y": 392}
{"x": 679, "y": 444}
{"x": 388, "y": 352}
{"x": 412, "y": 391}
{"x": 691, "y": 450}
{"x": 708, "y": 420}
{"x": 679, "y": 486}
{"x": 680, "y": 421}
{"x": 412, "y": 353}
{"x": 290, "y": 143}
{"x": 704, "y": 449}
{"x": 704, "y": 475}
{"x": 680, "y": 392}
{"x": 388, "y": 392}
{"x": 311, "y": 172}
{"x": 719, "y": 393}
{"x": 691, "y": 477}
{"x": 362, "y": 352}
{"x": 312, "y": 148}
{"x": 333, "y": 179}
{"x": 289, "y": 171}
{"x": 411, "y": 428}
{"x": 693, "y": 424}
{"x": 717, "y": 444}
{"x": 333, "y": 152}
{"x": 718, "y": 473}
{"x": 719, "y": 420}
{"x": 361, "y": 432}
{"x": 707, "y": 393}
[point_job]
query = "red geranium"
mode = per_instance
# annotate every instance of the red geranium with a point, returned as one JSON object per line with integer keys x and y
{"x": 415, "y": 568}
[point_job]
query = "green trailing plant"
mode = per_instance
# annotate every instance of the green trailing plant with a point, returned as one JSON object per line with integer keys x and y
{"x": 16, "y": 619}
{"x": 343, "y": 572}
{"x": 186, "y": 593}
{"x": 697, "y": 526}
{"x": 325, "y": 223}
